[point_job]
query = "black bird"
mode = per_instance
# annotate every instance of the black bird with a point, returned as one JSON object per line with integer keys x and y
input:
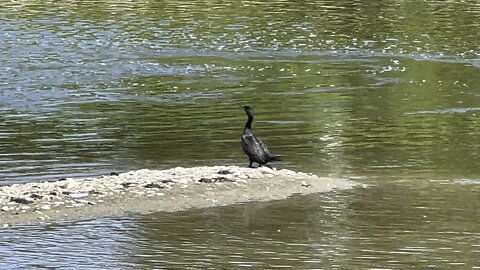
{"x": 255, "y": 149}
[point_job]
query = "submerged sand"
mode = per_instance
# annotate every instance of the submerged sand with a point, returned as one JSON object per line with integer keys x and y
{"x": 145, "y": 191}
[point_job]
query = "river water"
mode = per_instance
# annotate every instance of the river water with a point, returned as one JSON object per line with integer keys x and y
{"x": 385, "y": 91}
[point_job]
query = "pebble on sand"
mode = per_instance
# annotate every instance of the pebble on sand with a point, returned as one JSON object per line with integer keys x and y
{"x": 180, "y": 187}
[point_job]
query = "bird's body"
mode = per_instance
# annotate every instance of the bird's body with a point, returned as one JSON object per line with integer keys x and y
{"x": 255, "y": 149}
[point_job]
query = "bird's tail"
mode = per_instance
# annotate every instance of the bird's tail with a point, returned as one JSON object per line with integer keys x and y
{"x": 275, "y": 158}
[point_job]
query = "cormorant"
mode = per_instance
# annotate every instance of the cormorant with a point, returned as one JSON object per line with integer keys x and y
{"x": 255, "y": 149}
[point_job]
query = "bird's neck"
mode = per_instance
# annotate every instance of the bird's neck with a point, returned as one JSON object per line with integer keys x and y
{"x": 248, "y": 125}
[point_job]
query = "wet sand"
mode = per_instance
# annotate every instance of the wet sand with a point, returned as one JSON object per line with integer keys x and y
{"x": 147, "y": 191}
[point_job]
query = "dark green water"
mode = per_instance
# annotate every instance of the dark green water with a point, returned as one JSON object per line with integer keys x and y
{"x": 388, "y": 91}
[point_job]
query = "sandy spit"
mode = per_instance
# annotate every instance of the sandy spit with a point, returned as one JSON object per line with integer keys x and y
{"x": 145, "y": 191}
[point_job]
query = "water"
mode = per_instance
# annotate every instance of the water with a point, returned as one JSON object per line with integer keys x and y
{"x": 388, "y": 91}
{"x": 389, "y": 227}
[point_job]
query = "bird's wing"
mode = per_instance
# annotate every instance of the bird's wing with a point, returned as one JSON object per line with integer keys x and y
{"x": 264, "y": 147}
{"x": 255, "y": 147}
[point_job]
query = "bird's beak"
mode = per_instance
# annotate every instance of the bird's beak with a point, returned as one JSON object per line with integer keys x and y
{"x": 242, "y": 106}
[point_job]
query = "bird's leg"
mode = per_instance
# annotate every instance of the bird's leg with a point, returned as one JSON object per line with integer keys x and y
{"x": 251, "y": 164}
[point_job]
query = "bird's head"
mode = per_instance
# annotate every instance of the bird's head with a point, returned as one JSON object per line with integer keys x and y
{"x": 248, "y": 110}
